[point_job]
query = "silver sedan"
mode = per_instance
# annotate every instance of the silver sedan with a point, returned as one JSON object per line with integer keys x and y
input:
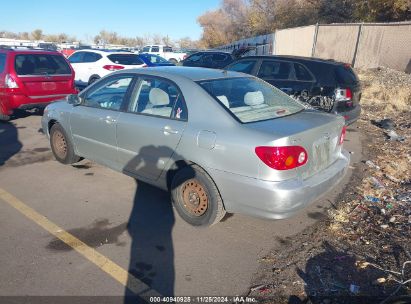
{"x": 219, "y": 141}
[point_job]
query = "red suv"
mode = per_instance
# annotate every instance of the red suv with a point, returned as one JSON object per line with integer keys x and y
{"x": 32, "y": 79}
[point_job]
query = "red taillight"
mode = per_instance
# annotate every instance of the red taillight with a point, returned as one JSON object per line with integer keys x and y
{"x": 282, "y": 158}
{"x": 342, "y": 136}
{"x": 111, "y": 67}
{"x": 348, "y": 93}
{"x": 10, "y": 82}
{"x": 144, "y": 66}
{"x": 343, "y": 94}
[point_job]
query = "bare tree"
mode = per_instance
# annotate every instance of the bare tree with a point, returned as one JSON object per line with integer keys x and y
{"x": 37, "y": 34}
{"x": 156, "y": 38}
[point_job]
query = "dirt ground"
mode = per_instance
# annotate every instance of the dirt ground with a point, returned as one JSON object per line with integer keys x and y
{"x": 361, "y": 252}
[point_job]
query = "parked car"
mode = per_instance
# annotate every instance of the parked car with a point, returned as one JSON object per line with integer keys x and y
{"x": 68, "y": 51}
{"x": 152, "y": 60}
{"x": 219, "y": 141}
{"x": 324, "y": 84}
{"x": 91, "y": 65}
{"x": 164, "y": 51}
{"x": 209, "y": 59}
{"x": 32, "y": 78}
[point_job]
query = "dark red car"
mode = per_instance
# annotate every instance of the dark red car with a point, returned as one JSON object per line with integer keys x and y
{"x": 32, "y": 79}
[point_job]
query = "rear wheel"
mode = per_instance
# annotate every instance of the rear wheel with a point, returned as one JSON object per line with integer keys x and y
{"x": 196, "y": 198}
{"x": 172, "y": 60}
{"x": 61, "y": 145}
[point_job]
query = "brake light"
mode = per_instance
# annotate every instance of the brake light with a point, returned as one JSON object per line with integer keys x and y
{"x": 10, "y": 82}
{"x": 282, "y": 158}
{"x": 343, "y": 94}
{"x": 144, "y": 66}
{"x": 342, "y": 136}
{"x": 112, "y": 67}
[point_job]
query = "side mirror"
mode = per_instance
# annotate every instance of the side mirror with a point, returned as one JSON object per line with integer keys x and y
{"x": 74, "y": 99}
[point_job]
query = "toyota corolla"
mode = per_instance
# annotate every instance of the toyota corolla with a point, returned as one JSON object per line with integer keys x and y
{"x": 219, "y": 141}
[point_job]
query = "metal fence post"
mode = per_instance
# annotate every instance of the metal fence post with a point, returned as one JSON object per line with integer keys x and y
{"x": 356, "y": 44}
{"x": 315, "y": 39}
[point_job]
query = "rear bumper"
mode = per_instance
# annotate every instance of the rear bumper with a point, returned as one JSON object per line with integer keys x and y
{"x": 276, "y": 200}
{"x": 9, "y": 102}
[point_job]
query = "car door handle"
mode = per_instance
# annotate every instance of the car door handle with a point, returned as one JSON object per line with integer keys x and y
{"x": 110, "y": 120}
{"x": 169, "y": 130}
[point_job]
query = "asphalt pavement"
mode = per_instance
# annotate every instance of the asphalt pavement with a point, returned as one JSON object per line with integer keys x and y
{"x": 124, "y": 223}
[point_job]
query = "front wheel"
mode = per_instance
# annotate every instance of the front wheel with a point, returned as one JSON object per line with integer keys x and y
{"x": 172, "y": 60}
{"x": 61, "y": 146}
{"x": 196, "y": 198}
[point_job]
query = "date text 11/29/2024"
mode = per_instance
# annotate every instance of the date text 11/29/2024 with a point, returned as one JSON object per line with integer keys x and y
{"x": 200, "y": 299}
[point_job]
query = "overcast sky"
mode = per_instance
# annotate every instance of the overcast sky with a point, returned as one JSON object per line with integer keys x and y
{"x": 84, "y": 19}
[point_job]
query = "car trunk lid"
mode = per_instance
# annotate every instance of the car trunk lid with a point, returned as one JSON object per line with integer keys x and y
{"x": 317, "y": 133}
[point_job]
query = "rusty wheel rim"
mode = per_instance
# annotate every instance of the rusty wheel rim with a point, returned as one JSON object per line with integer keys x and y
{"x": 195, "y": 199}
{"x": 59, "y": 144}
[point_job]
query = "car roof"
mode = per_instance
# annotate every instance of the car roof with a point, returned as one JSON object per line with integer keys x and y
{"x": 29, "y": 51}
{"x": 192, "y": 73}
{"x": 296, "y": 58}
{"x": 212, "y": 51}
{"x": 151, "y": 45}
{"x": 104, "y": 52}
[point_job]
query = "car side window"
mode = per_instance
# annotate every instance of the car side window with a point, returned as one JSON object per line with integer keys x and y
{"x": 194, "y": 57}
{"x": 155, "y": 49}
{"x": 208, "y": 58}
{"x": 110, "y": 94}
{"x": 91, "y": 57}
{"x": 158, "y": 97}
{"x": 244, "y": 66}
{"x": 301, "y": 73}
{"x": 219, "y": 57}
{"x": 76, "y": 57}
{"x": 275, "y": 70}
{"x": 2, "y": 62}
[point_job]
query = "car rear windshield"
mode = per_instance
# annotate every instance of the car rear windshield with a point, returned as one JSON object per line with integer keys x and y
{"x": 251, "y": 99}
{"x": 346, "y": 75}
{"x": 125, "y": 59}
{"x": 41, "y": 64}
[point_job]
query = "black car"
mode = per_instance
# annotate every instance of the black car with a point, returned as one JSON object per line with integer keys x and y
{"x": 324, "y": 84}
{"x": 208, "y": 59}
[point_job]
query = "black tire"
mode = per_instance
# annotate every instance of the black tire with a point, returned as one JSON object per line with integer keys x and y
{"x": 172, "y": 60}
{"x": 4, "y": 117}
{"x": 93, "y": 79}
{"x": 196, "y": 197}
{"x": 61, "y": 146}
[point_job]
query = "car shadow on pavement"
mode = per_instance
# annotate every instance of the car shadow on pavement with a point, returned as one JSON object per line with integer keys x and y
{"x": 150, "y": 227}
{"x": 9, "y": 142}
